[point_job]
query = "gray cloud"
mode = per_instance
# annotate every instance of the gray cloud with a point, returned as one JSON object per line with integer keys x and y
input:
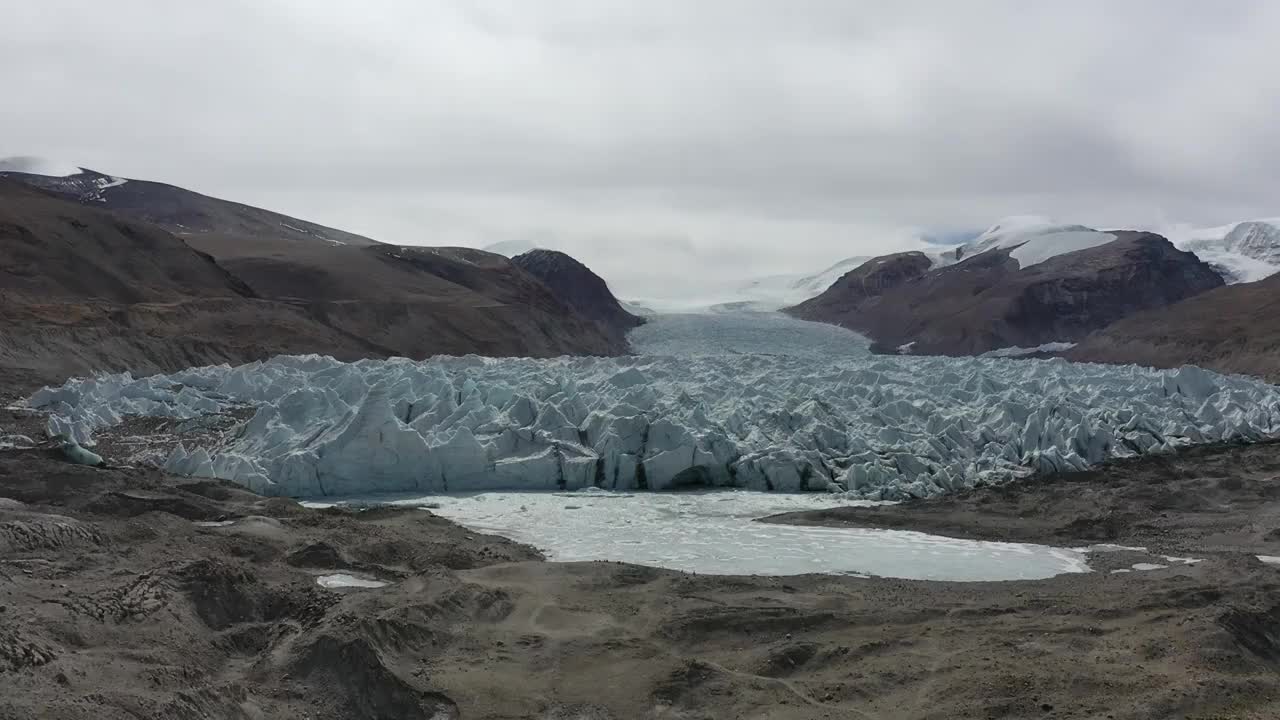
{"x": 673, "y": 145}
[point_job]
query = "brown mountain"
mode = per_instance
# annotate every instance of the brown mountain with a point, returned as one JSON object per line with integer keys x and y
{"x": 182, "y": 211}
{"x": 84, "y": 288}
{"x": 989, "y": 301}
{"x": 1231, "y": 329}
{"x": 52, "y": 250}
{"x": 581, "y": 288}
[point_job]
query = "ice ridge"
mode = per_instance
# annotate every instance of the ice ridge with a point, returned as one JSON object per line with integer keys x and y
{"x": 877, "y": 427}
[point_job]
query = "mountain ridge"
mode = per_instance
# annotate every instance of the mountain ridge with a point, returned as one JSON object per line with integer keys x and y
{"x": 86, "y": 287}
{"x": 991, "y": 301}
{"x": 181, "y": 211}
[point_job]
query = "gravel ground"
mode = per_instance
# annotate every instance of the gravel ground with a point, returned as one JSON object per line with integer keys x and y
{"x": 125, "y": 593}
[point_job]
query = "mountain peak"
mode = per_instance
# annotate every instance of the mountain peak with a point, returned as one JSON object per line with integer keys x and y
{"x": 578, "y": 286}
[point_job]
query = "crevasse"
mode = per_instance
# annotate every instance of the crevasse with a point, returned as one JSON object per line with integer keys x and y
{"x": 874, "y": 427}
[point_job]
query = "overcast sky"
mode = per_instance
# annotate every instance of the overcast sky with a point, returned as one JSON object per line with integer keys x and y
{"x": 670, "y": 144}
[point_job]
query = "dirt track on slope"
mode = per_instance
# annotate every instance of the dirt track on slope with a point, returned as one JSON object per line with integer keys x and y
{"x": 118, "y": 603}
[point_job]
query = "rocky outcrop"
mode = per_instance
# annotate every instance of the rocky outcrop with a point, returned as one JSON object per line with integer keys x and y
{"x": 863, "y": 286}
{"x": 990, "y": 301}
{"x": 1231, "y": 329}
{"x": 582, "y": 289}
{"x": 84, "y": 289}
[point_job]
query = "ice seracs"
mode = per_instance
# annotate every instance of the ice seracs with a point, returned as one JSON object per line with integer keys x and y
{"x": 881, "y": 427}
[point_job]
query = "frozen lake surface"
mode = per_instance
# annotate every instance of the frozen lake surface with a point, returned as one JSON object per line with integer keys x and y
{"x": 714, "y": 533}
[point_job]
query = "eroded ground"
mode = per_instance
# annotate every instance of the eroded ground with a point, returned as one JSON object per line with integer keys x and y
{"x": 129, "y": 594}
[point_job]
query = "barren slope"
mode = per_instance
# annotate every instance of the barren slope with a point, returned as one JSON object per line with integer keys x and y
{"x": 1231, "y": 329}
{"x": 88, "y": 289}
{"x": 182, "y": 211}
{"x": 128, "y": 594}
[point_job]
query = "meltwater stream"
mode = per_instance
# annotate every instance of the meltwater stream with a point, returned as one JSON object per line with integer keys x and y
{"x": 715, "y": 533}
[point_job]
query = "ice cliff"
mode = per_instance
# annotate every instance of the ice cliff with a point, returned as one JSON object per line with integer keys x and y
{"x": 875, "y": 427}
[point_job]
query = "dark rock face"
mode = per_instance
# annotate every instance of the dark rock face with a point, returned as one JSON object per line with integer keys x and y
{"x": 582, "y": 289}
{"x": 84, "y": 289}
{"x": 989, "y": 302}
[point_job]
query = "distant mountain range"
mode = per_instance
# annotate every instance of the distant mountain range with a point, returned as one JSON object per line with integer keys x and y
{"x": 1241, "y": 252}
{"x": 1030, "y": 287}
{"x": 1026, "y": 290}
{"x": 99, "y": 271}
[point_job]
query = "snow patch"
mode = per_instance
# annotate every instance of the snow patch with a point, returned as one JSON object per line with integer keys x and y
{"x": 103, "y": 183}
{"x": 1032, "y": 239}
{"x": 1015, "y": 351}
{"x": 344, "y": 580}
{"x": 16, "y": 442}
{"x": 312, "y": 233}
{"x": 1038, "y": 248}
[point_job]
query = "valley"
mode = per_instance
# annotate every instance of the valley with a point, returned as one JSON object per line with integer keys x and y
{"x": 615, "y": 360}
{"x": 347, "y": 479}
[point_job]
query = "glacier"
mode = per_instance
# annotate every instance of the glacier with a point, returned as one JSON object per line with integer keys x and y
{"x": 873, "y": 427}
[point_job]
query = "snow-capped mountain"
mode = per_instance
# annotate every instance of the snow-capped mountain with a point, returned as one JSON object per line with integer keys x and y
{"x": 1040, "y": 283}
{"x": 76, "y": 182}
{"x": 777, "y": 291}
{"x": 1034, "y": 239}
{"x": 774, "y": 292}
{"x": 1241, "y": 252}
